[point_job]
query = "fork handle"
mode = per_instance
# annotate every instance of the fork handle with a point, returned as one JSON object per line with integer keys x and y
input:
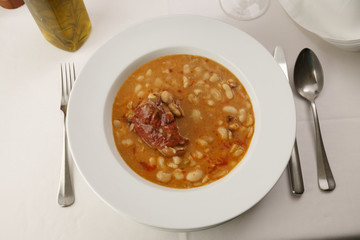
{"x": 66, "y": 194}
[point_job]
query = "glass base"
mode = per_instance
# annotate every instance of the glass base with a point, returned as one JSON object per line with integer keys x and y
{"x": 244, "y": 9}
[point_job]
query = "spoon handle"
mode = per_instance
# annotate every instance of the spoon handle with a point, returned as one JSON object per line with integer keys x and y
{"x": 325, "y": 177}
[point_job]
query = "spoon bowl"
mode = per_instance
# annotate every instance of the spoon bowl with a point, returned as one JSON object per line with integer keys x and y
{"x": 308, "y": 75}
{"x": 309, "y": 81}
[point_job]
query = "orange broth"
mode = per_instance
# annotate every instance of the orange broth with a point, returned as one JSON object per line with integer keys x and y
{"x": 218, "y": 120}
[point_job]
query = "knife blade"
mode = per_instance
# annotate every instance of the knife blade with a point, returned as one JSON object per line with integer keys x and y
{"x": 294, "y": 166}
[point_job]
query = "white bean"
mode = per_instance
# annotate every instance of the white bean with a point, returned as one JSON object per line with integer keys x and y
{"x": 117, "y": 123}
{"x": 232, "y": 82}
{"x": 129, "y": 105}
{"x": 209, "y": 139}
{"x": 178, "y": 174}
{"x": 193, "y": 99}
{"x": 186, "y": 68}
{"x": 127, "y": 142}
{"x": 233, "y": 147}
{"x": 233, "y": 163}
{"x": 228, "y": 91}
{"x": 219, "y": 174}
{"x": 238, "y": 152}
{"x": 194, "y": 175}
{"x": 210, "y": 103}
{"x": 214, "y": 77}
{"x": 141, "y": 94}
{"x": 152, "y": 97}
{"x": 243, "y": 130}
{"x": 206, "y": 76}
{"x": 200, "y": 82}
{"x": 234, "y": 126}
{"x": 167, "y": 151}
{"x": 172, "y": 165}
{"x": 223, "y": 133}
{"x": 174, "y": 83}
{"x": 197, "y": 184}
{"x": 148, "y": 73}
{"x": 129, "y": 115}
{"x": 174, "y": 109}
{"x": 186, "y": 82}
{"x": 201, "y": 142}
{"x": 140, "y": 78}
{"x": 251, "y": 131}
{"x": 158, "y": 82}
{"x": 249, "y": 121}
{"x": 137, "y": 88}
{"x": 163, "y": 176}
{"x": 196, "y": 115}
{"x": 198, "y": 70}
{"x": 230, "y": 109}
{"x": 166, "y": 96}
{"x": 161, "y": 162}
{"x": 205, "y": 179}
{"x": 197, "y": 91}
{"x": 199, "y": 155}
{"x": 242, "y": 115}
{"x": 152, "y": 161}
{"x": 216, "y": 94}
{"x": 177, "y": 159}
{"x": 206, "y": 96}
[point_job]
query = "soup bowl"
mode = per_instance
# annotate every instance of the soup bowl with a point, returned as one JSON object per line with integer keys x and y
{"x": 90, "y": 123}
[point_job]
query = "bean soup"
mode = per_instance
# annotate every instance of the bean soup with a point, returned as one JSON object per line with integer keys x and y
{"x": 182, "y": 121}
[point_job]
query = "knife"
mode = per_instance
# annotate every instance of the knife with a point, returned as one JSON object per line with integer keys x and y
{"x": 294, "y": 167}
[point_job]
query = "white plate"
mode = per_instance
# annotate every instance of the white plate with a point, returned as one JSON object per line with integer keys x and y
{"x": 90, "y": 128}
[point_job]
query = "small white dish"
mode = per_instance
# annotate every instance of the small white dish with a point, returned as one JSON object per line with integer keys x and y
{"x": 337, "y": 22}
{"x": 90, "y": 128}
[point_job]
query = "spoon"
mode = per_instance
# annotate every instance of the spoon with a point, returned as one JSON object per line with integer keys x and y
{"x": 309, "y": 81}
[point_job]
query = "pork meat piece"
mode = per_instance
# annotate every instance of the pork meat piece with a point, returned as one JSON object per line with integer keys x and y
{"x": 156, "y": 125}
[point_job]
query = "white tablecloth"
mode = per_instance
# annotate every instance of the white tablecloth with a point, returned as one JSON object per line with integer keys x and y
{"x": 31, "y": 134}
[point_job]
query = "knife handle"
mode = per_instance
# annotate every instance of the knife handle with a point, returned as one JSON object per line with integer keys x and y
{"x": 295, "y": 174}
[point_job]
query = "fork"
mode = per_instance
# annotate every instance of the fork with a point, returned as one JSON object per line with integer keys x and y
{"x": 66, "y": 194}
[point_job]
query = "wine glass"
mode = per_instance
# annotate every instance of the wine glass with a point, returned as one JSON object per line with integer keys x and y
{"x": 244, "y": 9}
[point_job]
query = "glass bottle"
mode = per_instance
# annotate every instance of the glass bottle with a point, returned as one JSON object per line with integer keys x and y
{"x": 64, "y": 23}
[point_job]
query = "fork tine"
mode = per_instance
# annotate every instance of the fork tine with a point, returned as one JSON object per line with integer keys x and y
{"x": 68, "y": 81}
{"x": 73, "y": 76}
{"x": 74, "y": 71}
{"x": 68, "y": 78}
{"x": 63, "y": 83}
